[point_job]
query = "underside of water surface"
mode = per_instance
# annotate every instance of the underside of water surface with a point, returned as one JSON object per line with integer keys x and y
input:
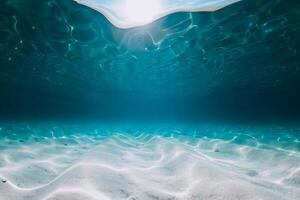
{"x": 149, "y": 100}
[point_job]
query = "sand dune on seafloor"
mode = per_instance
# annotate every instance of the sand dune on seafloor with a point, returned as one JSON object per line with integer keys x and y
{"x": 132, "y": 168}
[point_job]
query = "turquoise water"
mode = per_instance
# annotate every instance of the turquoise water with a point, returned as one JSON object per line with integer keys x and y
{"x": 149, "y": 100}
{"x": 61, "y": 48}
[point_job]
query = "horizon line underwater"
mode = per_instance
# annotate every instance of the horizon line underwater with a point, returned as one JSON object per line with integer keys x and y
{"x": 149, "y": 100}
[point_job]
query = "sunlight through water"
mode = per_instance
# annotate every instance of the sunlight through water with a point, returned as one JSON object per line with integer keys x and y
{"x": 133, "y": 13}
{"x": 141, "y": 11}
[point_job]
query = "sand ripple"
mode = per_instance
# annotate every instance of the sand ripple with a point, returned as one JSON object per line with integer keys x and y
{"x": 145, "y": 166}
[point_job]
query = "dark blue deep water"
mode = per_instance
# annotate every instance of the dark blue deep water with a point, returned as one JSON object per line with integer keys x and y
{"x": 192, "y": 106}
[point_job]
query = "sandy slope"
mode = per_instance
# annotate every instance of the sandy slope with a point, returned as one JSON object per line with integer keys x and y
{"x": 144, "y": 167}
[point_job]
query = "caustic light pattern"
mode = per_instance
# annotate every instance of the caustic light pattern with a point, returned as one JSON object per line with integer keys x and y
{"x": 209, "y": 163}
{"x": 67, "y": 48}
{"x": 60, "y": 57}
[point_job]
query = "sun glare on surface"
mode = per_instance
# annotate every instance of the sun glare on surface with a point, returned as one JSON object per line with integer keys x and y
{"x": 141, "y": 11}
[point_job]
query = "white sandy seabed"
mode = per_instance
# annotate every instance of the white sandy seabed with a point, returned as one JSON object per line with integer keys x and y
{"x": 145, "y": 167}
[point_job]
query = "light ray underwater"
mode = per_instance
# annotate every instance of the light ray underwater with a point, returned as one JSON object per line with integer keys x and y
{"x": 149, "y": 100}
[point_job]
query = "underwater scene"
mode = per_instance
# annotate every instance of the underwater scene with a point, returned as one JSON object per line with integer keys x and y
{"x": 149, "y": 100}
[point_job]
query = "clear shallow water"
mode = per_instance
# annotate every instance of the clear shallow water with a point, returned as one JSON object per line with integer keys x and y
{"x": 62, "y": 61}
{"x": 61, "y": 48}
{"x": 95, "y": 162}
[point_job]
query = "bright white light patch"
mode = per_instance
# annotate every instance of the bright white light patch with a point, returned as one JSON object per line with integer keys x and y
{"x": 133, "y": 13}
{"x": 141, "y": 11}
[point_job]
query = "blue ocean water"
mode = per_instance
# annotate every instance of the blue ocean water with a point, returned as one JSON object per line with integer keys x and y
{"x": 150, "y": 100}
